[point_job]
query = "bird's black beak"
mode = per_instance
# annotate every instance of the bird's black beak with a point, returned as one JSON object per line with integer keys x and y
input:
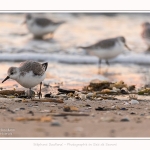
{"x": 6, "y": 79}
{"x": 127, "y": 47}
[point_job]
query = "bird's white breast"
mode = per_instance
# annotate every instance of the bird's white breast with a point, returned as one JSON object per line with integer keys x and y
{"x": 39, "y": 30}
{"x": 29, "y": 80}
{"x": 109, "y": 53}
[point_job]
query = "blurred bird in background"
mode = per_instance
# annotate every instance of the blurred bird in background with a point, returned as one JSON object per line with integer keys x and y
{"x": 146, "y": 34}
{"x": 40, "y": 26}
{"x": 107, "y": 49}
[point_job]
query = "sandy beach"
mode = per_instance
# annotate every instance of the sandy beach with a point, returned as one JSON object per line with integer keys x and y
{"x": 114, "y": 116}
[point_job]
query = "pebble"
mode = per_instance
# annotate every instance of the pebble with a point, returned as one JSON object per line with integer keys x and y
{"x": 66, "y": 90}
{"x": 134, "y": 102}
{"x": 82, "y": 96}
{"x": 22, "y": 108}
{"x": 124, "y": 120}
{"x": 123, "y": 109}
{"x": 99, "y": 109}
{"x": 89, "y": 95}
{"x": 47, "y": 95}
{"x": 132, "y": 113}
{"x": 126, "y": 103}
{"x": 79, "y": 129}
{"x": 45, "y": 111}
{"x": 55, "y": 123}
{"x": 87, "y": 105}
{"x": 31, "y": 112}
{"x": 17, "y": 109}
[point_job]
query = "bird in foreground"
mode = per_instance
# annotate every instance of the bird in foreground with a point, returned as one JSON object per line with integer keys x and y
{"x": 107, "y": 49}
{"x": 146, "y": 34}
{"x": 28, "y": 74}
{"x": 41, "y": 26}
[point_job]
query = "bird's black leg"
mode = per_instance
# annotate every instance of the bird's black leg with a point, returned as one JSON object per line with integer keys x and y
{"x": 40, "y": 94}
{"x": 30, "y": 93}
{"x": 99, "y": 66}
{"x": 107, "y": 62}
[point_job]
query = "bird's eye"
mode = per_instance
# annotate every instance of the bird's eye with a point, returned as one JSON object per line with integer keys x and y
{"x": 12, "y": 73}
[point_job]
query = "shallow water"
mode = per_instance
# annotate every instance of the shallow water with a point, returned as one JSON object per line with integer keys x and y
{"x": 67, "y": 64}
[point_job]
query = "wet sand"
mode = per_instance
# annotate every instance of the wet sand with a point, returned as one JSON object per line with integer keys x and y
{"x": 115, "y": 118}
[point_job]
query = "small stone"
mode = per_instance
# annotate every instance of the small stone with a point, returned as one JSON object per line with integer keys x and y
{"x": 17, "y": 109}
{"x": 124, "y": 120}
{"x": 47, "y": 95}
{"x": 132, "y": 113}
{"x": 55, "y": 123}
{"x": 89, "y": 95}
{"x": 123, "y": 109}
{"x": 99, "y": 109}
{"x": 66, "y": 90}
{"x": 126, "y": 103}
{"x": 134, "y": 102}
{"x": 31, "y": 112}
{"x": 67, "y": 108}
{"x": 19, "y": 101}
{"x": 45, "y": 111}
{"x": 124, "y": 91}
{"x": 142, "y": 114}
{"x": 22, "y": 108}
{"x": 82, "y": 96}
{"x": 87, "y": 105}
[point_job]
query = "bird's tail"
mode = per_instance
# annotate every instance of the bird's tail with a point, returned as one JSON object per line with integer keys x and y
{"x": 45, "y": 65}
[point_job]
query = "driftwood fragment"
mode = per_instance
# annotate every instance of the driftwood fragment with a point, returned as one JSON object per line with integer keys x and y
{"x": 70, "y": 114}
{"x": 11, "y": 92}
{"x": 42, "y": 119}
{"x": 48, "y": 100}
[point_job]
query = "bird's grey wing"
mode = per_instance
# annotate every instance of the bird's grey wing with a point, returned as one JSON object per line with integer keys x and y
{"x": 43, "y": 22}
{"x": 146, "y": 33}
{"x": 102, "y": 44}
{"x": 35, "y": 67}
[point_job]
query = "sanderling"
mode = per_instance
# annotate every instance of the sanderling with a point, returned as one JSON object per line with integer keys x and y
{"x": 146, "y": 33}
{"x": 107, "y": 49}
{"x": 28, "y": 74}
{"x": 41, "y": 26}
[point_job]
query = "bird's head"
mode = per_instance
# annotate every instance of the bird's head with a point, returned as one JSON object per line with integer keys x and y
{"x": 11, "y": 74}
{"x": 123, "y": 40}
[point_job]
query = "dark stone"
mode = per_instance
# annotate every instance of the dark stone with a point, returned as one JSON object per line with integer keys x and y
{"x": 123, "y": 109}
{"x": 100, "y": 109}
{"x": 87, "y": 105}
{"x": 31, "y": 112}
{"x": 47, "y": 95}
{"x": 9, "y": 110}
{"x": 66, "y": 90}
{"x": 125, "y": 120}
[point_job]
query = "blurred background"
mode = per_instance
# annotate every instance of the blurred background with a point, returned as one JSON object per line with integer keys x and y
{"x": 71, "y": 66}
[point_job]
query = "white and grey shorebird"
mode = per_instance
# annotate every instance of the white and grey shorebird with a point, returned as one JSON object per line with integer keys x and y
{"x": 107, "y": 49}
{"x": 28, "y": 74}
{"x": 146, "y": 33}
{"x": 39, "y": 26}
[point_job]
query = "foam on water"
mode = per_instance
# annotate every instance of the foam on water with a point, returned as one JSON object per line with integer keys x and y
{"x": 139, "y": 58}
